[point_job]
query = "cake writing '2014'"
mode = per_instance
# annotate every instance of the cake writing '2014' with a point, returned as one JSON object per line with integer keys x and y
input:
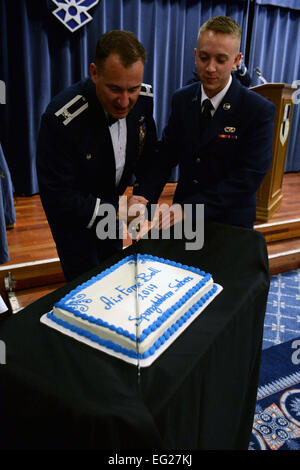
{"x": 145, "y": 299}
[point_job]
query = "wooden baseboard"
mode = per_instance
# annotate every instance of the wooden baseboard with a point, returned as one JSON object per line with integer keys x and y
{"x": 280, "y": 230}
{"x": 28, "y": 275}
{"x": 22, "y": 284}
{"x": 284, "y": 261}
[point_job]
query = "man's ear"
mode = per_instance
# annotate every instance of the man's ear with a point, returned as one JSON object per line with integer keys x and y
{"x": 93, "y": 71}
{"x": 238, "y": 60}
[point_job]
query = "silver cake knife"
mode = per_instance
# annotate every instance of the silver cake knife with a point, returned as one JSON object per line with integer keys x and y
{"x": 134, "y": 243}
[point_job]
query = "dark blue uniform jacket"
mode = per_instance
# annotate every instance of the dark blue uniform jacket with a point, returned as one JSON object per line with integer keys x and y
{"x": 221, "y": 166}
{"x": 76, "y": 165}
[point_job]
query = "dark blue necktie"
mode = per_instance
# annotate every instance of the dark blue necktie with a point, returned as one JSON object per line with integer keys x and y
{"x": 206, "y": 110}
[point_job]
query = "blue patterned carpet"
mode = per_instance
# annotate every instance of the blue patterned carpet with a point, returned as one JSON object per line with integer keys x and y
{"x": 277, "y": 417}
{"x": 282, "y": 320}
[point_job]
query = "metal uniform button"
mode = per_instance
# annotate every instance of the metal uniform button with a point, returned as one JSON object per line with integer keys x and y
{"x": 195, "y": 181}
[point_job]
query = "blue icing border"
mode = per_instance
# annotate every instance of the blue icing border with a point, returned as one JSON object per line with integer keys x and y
{"x": 93, "y": 280}
{"x": 119, "y": 330}
{"x": 131, "y": 353}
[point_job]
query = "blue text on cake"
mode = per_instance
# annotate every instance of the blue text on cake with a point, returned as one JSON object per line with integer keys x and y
{"x": 123, "y": 292}
{"x": 159, "y": 299}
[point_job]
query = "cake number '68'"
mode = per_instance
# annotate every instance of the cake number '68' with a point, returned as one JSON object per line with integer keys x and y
{"x": 167, "y": 459}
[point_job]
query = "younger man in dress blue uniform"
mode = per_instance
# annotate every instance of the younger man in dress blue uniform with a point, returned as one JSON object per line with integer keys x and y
{"x": 94, "y": 136}
{"x": 223, "y": 152}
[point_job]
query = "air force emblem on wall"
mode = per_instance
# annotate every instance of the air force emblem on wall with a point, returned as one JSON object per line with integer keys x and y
{"x": 74, "y": 13}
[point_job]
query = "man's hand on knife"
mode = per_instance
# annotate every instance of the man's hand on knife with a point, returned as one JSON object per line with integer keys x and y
{"x": 132, "y": 213}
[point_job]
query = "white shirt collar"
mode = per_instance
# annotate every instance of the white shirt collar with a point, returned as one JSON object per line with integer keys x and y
{"x": 216, "y": 100}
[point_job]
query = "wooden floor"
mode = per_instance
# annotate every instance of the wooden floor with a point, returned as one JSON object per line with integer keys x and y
{"x": 32, "y": 249}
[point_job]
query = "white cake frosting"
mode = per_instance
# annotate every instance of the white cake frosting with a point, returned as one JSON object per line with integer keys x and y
{"x": 144, "y": 299}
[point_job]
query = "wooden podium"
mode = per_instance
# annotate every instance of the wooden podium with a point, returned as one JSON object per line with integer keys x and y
{"x": 269, "y": 194}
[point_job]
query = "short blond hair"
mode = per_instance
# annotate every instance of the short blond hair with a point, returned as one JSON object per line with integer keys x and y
{"x": 222, "y": 24}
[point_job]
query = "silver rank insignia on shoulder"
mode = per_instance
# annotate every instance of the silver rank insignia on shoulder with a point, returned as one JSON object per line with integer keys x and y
{"x": 226, "y": 106}
{"x": 68, "y": 113}
{"x": 146, "y": 90}
{"x": 229, "y": 129}
{"x": 89, "y": 156}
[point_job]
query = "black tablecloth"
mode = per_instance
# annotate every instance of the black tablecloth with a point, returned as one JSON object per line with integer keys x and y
{"x": 57, "y": 393}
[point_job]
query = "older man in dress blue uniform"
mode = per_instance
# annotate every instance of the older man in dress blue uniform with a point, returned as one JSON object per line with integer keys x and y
{"x": 219, "y": 132}
{"x": 94, "y": 137}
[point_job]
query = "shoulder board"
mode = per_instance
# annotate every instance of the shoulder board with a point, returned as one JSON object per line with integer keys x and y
{"x": 72, "y": 109}
{"x": 146, "y": 90}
